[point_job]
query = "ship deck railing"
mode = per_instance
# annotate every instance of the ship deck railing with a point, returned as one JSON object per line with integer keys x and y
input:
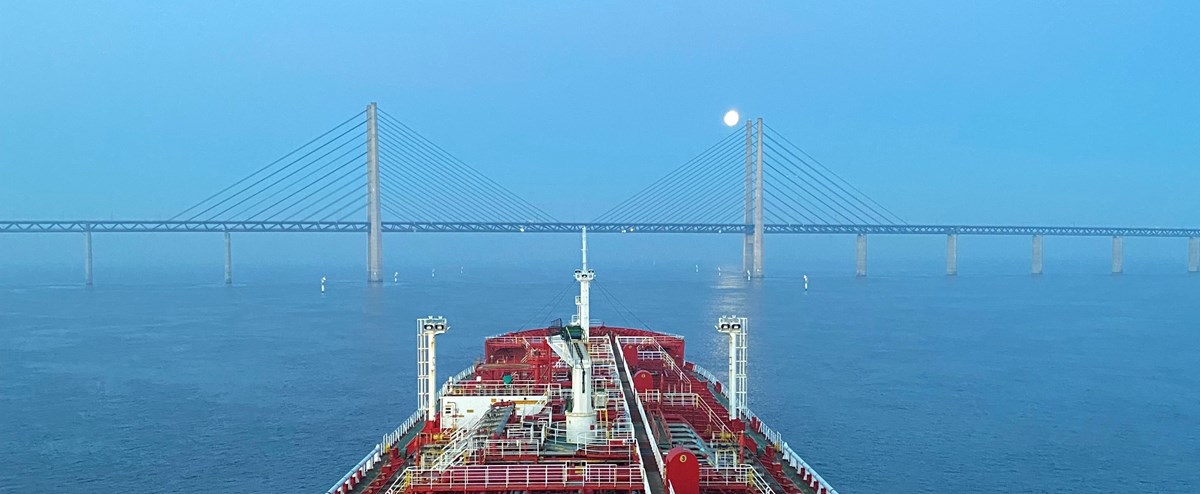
{"x": 774, "y": 437}
{"x": 693, "y": 400}
{"x": 519, "y": 477}
{"x": 657, "y": 352}
{"x": 740, "y": 475}
{"x": 492, "y": 388}
{"x": 376, "y": 455}
{"x": 645, "y": 421}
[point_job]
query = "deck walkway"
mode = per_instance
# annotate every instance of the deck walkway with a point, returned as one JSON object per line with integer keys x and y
{"x": 649, "y": 462}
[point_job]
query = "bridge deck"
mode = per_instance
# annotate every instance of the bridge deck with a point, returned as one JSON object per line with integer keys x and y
{"x": 149, "y": 226}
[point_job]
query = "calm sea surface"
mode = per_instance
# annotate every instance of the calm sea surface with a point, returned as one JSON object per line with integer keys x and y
{"x": 902, "y": 383}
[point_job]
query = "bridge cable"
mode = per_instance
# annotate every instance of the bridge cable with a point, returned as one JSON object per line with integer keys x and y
{"x": 481, "y": 198}
{"x": 707, "y": 188}
{"x": 269, "y": 165}
{"x": 335, "y": 186}
{"x": 484, "y": 178}
{"x": 457, "y": 211}
{"x": 636, "y": 205}
{"x": 352, "y": 161}
{"x": 274, "y": 190}
{"x": 860, "y": 195}
{"x": 467, "y": 171}
{"x": 337, "y": 167}
{"x": 649, "y": 190}
{"x": 639, "y": 204}
{"x": 474, "y": 191}
{"x": 704, "y": 184}
{"x": 261, "y": 180}
{"x": 828, "y": 202}
{"x": 342, "y": 190}
{"x": 790, "y": 190}
{"x": 840, "y": 200}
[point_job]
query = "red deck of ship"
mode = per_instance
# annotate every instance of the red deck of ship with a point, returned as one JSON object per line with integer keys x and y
{"x": 676, "y": 407}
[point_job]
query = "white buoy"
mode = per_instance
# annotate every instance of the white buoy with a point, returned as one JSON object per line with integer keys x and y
{"x": 806, "y": 282}
{"x": 433, "y": 274}
{"x": 396, "y": 277}
{"x": 460, "y": 270}
{"x": 747, "y": 274}
{"x": 697, "y": 268}
{"x": 718, "y": 271}
{"x": 322, "y": 284}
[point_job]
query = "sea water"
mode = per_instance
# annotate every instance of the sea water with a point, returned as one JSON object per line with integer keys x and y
{"x": 904, "y": 382}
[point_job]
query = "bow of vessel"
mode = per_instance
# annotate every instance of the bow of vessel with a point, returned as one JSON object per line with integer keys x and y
{"x": 582, "y": 407}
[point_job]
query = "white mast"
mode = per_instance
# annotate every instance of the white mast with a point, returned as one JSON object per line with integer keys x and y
{"x": 584, "y": 276}
{"x": 581, "y": 418}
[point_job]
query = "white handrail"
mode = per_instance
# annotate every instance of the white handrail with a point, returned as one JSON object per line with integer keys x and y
{"x": 645, "y": 424}
{"x": 390, "y": 439}
{"x": 776, "y": 438}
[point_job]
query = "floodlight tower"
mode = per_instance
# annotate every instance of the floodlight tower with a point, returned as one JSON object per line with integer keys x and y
{"x": 735, "y": 327}
{"x": 427, "y": 330}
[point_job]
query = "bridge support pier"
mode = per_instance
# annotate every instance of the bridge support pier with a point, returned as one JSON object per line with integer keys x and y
{"x": 1194, "y": 254}
{"x": 1037, "y": 254}
{"x": 87, "y": 258}
{"x": 374, "y": 221}
{"x": 228, "y": 259}
{"x": 860, "y": 265}
{"x": 1118, "y": 254}
{"x": 952, "y": 254}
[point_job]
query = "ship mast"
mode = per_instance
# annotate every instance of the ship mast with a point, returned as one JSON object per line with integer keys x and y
{"x": 581, "y": 418}
{"x": 583, "y": 303}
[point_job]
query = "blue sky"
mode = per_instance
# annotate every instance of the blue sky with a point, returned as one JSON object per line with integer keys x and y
{"x": 963, "y": 112}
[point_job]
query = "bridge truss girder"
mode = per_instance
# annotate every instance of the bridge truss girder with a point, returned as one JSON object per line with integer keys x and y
{"x": 77, "y": 226}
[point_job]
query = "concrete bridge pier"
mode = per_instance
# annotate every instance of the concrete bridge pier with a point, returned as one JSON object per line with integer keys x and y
{"x": 860, "y": 265}
{"x": 1037, "y": 254}
{"x": 228, "y": 260}
{"x": 1118, "y": 254}
{"x": 87, "y": 258}
{"x": 952, "y": 254}
{"x": 1194, "y": 254}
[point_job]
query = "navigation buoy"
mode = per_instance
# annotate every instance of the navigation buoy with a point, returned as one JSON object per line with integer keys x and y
{"x": 718, "y": 271}
{"x": 322, "y": 284}
{"x": 806, "y": 282}
{"x": 433, "y": 274}
{"x": 697, "y": 268}
{"x": 747, "y": 274}
{"x": 396, "y": 277}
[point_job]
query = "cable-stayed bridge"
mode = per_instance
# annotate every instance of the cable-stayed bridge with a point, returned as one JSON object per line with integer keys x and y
{"x": 373, "y": 174}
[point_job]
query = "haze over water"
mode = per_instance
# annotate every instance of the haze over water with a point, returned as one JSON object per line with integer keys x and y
{"x": 991, "y": 382}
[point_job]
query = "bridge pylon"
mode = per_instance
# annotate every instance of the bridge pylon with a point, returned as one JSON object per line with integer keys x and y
{"x": 752, "y": 242}
{"x": 374, "y": 221}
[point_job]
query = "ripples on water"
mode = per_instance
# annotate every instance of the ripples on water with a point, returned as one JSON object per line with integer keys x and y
{"x": 985, "y": 383}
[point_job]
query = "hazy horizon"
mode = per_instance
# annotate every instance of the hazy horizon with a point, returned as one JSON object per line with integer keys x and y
{"x": 1021, "y": 113}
